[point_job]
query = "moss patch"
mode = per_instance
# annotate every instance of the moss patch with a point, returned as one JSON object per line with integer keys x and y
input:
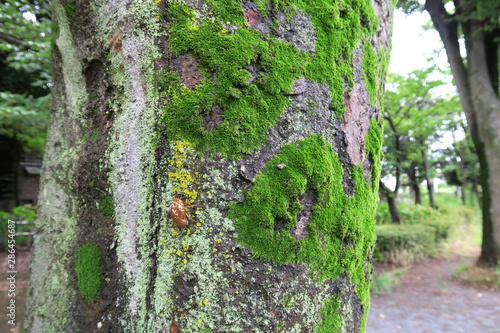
{"x": 70, "y": 8}
{"x": 332, "y": 320}
{"x": 340, "y": 229}
{"x": 247, "y": 76}
{"x": 88, "y": 266}
{"x": 337, "y": 231}
{"x": 107, "y": 206}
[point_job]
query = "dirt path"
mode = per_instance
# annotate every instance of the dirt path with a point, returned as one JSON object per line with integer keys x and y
{"x": 21, "y": 283}
{"x": 427, "y": 301}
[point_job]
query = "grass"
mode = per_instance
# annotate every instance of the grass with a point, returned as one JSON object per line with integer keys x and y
{"x": 478, "y": 277}
{"x": 465, "y": 238}
{"x": 385, "y": 282}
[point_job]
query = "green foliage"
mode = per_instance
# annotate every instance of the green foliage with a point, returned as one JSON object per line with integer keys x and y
{"x": 24, "y": 118}
{"x": 410, "y": 6}
{"x": 21, "y": 213}
{"x": 419, "y": 215}
{"x": 410, "y": 213}
{"x": 383, "y": 282}
{"x": 70, "y": 8}
{"x": 88, "y": 267}
{"x": 422, "y": 231}
{"x": 460, "y": 163}
{"x": 25, "y": 213}
{"x": 25, "y": 52}
{"x": 485, "y": 11}
{"x": 250, "y": 103}
{"x": 414, "y": 117}
{"x": 25, "y": 72}
{"x": 397, "y": 242}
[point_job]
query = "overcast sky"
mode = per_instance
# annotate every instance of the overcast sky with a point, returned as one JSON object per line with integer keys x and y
{"x": 411, "y": 45}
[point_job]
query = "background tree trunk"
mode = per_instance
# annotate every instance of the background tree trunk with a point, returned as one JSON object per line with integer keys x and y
{"x": 411, "y": 171}
{"x": 260, "y": 121}
{"x": 478, "y": 93}
{"x": 428, "y": 177}
{"x": 392, "y": 202}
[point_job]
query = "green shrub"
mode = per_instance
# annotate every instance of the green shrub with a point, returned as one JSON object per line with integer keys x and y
{"x": 410, "y": 213}
{"x": 410, "y": 240}
{"x": 382, "y": 215}
{"x": 442, "y": 226}
{"x": 21, "y": 213}
{"x": 383, "y": 282}
{"x": 402, "y": 243}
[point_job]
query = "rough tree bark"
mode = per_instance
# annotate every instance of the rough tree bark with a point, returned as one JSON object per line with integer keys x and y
{"x": 260, "y": 119}
{"x": 477, "y": 85}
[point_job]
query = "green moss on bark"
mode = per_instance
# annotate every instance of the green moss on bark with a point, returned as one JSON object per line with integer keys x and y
{"x": 332, "y": 321}
{"x": 88, "y": 267}
{"x": 339, "y": 233}
{"x": 107, "y": 206}
{"x": 246, "y": 76}
{"x": 70, "y": 9}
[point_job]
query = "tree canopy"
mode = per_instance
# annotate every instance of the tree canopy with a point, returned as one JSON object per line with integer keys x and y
{"x": 25, "y": 72}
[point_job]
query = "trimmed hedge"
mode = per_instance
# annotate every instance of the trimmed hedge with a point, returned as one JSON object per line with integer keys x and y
{"x": 422, "y": 229}
{"x": 396, "y": 243}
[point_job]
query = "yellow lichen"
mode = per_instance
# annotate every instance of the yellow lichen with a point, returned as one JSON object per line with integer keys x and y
{"x": 181, "y": 175}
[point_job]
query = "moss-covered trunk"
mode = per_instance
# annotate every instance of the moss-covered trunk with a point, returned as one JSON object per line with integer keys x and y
{"x": 212, "y": 166}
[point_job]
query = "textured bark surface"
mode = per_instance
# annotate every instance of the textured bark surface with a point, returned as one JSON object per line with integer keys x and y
{"x": 260, "y": 119}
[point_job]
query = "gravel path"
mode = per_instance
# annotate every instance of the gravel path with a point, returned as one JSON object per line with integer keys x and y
{"x": 426, "y": 301}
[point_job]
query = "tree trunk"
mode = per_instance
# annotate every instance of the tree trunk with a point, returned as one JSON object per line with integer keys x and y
{"x": 211, "y": 166}
{"x": 463, "y": 174}
{"x": 428, "y": 178}
{"x": 412, "y": 175}
{"x": 393, "y": 209}
{"x": 392, "y": 202}
{"x": 482, "y": 109}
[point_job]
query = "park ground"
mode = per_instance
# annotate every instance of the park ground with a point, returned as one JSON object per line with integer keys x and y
{"x": 426, "y": 299}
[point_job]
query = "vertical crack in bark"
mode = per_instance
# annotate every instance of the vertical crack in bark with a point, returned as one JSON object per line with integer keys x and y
{"x": 212, "y": 119}
{"x": 183, "y": 290}
{"x": 304, "y": 216}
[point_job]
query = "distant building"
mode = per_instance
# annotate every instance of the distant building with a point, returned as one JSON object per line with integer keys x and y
{"x": 19, "y": 175}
